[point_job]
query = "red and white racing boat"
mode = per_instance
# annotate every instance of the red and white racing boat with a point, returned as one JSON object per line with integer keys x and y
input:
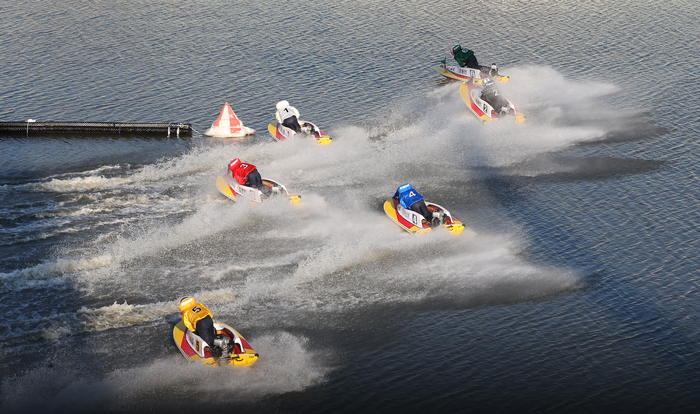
{"x": 464, "y": 73}
{"x": 415, "y": 223}
{"x": 236, "y": 350}
{"x": 281, "y": 132}
{"x": 235, "y": 191}
{"x": 471, "y": 92}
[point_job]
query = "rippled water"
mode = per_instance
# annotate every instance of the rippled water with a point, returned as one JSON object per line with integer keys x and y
{"x": 574, "y": 288}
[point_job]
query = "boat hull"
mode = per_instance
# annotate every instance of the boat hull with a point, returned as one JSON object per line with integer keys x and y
{"x": 193, "y": 348}
{"x": 236, "y": 192}
{"x": 471, "y": 92}
{"x": 464, "y": 74}
{"x": 414, "y": 223}
{"x": 281, "y": 133}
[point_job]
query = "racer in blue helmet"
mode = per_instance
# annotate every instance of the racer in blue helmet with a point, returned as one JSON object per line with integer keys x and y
{"x": 412, "y": 200}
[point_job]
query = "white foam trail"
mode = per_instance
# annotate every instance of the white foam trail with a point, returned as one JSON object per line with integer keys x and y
{"x": 339, "y": 227}
{"x": 168, "y": 170}
{"x": 306, "y": 266}
{"x": 540, "y": 93}
{"x": 543, "y": 86}
{"x": 53, "y": 272}
{"x": 114, "y": 316}
{"x": 286, "y": 365}
{"x": 80, "y": 183}
{"x": 376, "y": 267}
{"x": 120, "y": 315}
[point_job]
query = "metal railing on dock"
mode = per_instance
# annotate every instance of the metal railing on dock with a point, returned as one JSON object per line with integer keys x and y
{"x": 173, "y": 128}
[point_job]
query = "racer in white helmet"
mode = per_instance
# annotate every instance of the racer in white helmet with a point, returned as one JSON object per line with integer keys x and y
{"x": 288, "y": 116}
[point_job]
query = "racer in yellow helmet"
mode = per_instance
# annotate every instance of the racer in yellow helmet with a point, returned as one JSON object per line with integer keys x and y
{"x": 199, "y": 319}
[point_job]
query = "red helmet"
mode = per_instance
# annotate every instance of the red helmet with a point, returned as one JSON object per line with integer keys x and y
{"x": 233, "y": 164}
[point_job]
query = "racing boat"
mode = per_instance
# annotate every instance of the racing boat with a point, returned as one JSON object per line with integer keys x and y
{"x": 471, "y": 92}
{"x": 235, "y": 191}
{"x": 236, "y": 350}
{"x": 415, "y": 223}
{"x": 464, "y": 74}
{"x": 281, "y": 132}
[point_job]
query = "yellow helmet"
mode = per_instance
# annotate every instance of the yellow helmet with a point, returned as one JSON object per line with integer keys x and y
{"x": 186, "y": 303}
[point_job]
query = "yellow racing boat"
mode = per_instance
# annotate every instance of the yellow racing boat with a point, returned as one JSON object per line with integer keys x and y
{"x": 465, "y": 74}
{"x": 235, "y": 191}
{"x": 471, "y": 92}
{"x": 281, "y": 132}
{"x": 415, "y": 223}
{"x": 237, "y": 351}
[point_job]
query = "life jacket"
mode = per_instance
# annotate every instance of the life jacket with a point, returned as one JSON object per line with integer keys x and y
{"x": 191, "y": 315}
{"x": 286, "y": 112}
{"x": 408, "y": 196}
{"x": 240, "y": 170}
{"x": 464, "y": 57}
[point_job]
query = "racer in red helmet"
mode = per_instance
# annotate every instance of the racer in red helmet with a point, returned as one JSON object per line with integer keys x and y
{"x": 248, "y": 175}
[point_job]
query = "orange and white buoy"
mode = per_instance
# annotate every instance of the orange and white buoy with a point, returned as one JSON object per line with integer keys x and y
{"x": 227, "y": 125}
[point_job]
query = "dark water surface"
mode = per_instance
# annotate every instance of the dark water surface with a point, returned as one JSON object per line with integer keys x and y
{"x": 574, "y": 289}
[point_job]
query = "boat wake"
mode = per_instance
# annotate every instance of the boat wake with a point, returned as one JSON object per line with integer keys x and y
{"x": 163, "y": 231}
{"x": 289, "y": 365}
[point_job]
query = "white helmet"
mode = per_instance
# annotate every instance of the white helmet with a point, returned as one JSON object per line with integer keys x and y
{"x": 282, "y": 105}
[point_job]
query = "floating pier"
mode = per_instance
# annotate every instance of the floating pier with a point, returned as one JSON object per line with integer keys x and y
{"x": 172, "y": 128}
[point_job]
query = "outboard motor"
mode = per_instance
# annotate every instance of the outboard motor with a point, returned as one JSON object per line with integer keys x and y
{"x": 438, "y": 218}
{"x": 222, "y": 341}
